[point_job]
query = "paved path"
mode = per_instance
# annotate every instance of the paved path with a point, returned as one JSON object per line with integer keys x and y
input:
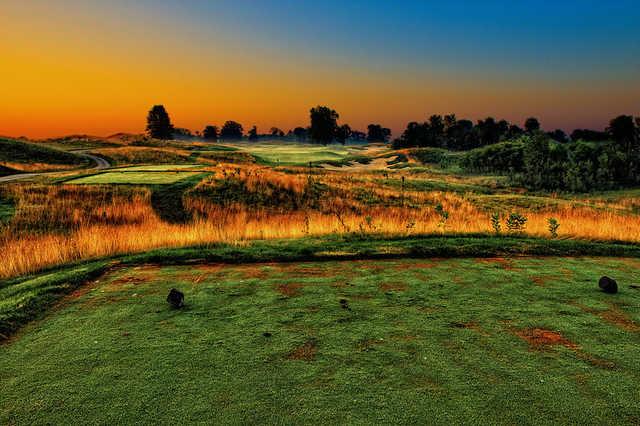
{"x": 101, "y": 163}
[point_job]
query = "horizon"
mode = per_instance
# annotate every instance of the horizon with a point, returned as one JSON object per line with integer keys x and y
{"x": 96, "y": 69}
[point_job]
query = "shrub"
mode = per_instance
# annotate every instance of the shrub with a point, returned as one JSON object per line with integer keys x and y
{"x": 553, "y": 227}
{"x": 516, "y": 223}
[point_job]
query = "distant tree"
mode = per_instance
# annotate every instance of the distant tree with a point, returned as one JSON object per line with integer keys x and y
{"x": 377, "y": 133}
{"x": 231, "y": 130}
{"x": 324, "y": 122}
{"x": 488, "y": 131}
{"x": 275, "y": 132}
{"x": 559, "y": 136}
{"x": 358, "y": 136}
{"x": 514, "y": 132}
{"x": 531, "y": 125}
{"x": 158, "y": 123}
{"x": 343, "y": 133}
{"x": 253, "y": 134}
{"x": 210, "y": 133}
{"x": 622, "y": 130}
{"x": 300, "y": 133}
{"x": 589, "y": 135}
{"x": 182, "y": 133}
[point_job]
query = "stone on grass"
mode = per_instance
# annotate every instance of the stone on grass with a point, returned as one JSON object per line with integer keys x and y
{"x": 175, "y": 298}
{"x": 608, "y": 285}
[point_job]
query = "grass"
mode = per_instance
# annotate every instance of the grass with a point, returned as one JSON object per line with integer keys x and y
{"x": 390, "y": 341}
{"x": 133, "y": 178}
{"x": 160, "y": 168}
{"x": 27, "y": 297}
{"x": 283, "y": 153}
{"x": 25, "y": 156}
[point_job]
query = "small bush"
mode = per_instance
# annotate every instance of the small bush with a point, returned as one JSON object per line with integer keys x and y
{"x": 516, "y": 223}
{"x": 553, "y": 227}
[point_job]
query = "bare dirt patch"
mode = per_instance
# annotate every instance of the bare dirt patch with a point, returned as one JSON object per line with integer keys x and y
{"x": 305, "y": 352}
{"x": 539, "y": 338}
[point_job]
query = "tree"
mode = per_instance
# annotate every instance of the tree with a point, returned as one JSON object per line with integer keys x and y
{"x": 358, "y": 135}
{"x": 231, "y": 130}
{"x": 559, "y": 136}
{"x": 275, "y": 132}
{"x": 588, "y": 135}
{"x": 622, "y": 130}
{"x": 377, "y": 133}
{"x": 531, "y": 125}
{"x": 324, "y": 122}
{"x": 300, "y": 133}
{"x": 488, "y": 131}
{"x": 158, "y": 123}
{"x": 253, "y": 134}
{"x": 343, "y": 133}
{"x": 210, "y": 133}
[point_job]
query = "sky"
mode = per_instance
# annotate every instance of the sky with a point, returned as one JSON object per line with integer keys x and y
{"x": 97, "y": 67}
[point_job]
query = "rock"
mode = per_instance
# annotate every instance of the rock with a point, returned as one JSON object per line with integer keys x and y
{"x": 175, "y": 298}
{"x": 608, "y": 285}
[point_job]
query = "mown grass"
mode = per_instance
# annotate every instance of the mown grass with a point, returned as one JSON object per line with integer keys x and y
{"x": 28, "y": 297}
{"x": 288, "y": 154}
{"x": 35, "y": 157}
{"x": 362, "y": 342}
{"x": 133, "y": 178}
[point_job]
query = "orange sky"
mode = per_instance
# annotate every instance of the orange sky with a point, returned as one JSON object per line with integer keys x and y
{"x": 89, "y": 71}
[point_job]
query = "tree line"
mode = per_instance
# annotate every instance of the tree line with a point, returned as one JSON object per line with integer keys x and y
{"x": 323, "y": 128}
{"x": 599, "y": 161}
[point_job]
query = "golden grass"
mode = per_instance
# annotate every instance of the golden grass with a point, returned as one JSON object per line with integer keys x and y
{"x": 60, "y": 224}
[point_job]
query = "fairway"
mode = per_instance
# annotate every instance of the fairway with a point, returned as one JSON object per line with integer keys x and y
{"x": 133, "y": 178}
{"x": 280, "y": 153}
{"x": 161, "y": 168}
{"x": 511, "y": 341}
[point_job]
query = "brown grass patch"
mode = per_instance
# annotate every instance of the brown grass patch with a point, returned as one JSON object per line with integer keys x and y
{"x": 506, "y": 264}
{"x": 289, "y": 289}
{"x": 539, "y": 338}
{"x": 305, "y": 352}
{"x": 393, "y": 287}
{"x": 368, "y": 344}
{"x": 613, "y": 316}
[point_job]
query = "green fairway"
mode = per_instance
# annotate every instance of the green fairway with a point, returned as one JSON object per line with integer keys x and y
{"x": 288, "y": 153}
{"x": 160, "y": 168}
{"x": 483, "y": 341}
{"x": 134, "y": 178}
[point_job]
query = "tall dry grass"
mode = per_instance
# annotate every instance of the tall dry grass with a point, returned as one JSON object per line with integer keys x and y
{"x": 60, "y": 224}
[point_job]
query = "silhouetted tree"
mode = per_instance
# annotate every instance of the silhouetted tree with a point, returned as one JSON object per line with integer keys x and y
{"x": 358, "y": 136}
{"x": 231, "y": 130}
{"x": 488, "y": 131}
{"x": 300, "y": 133}
{"x": 531, "y": 125}
{"x": 589, "y": 135}
{"x": 210, "y": 133}
{"x": 622, "y": 130}
{"x": 343, "y": 133}
{"x": 324, "y": 122}
{"x": 181, "y": 133}
{"x": 377, "y": 133}
{"x": 275, "y": 132}
{"x": 253, "y": 134}
{"x": 158, "y": 123}
{"x": 558, "y": 135}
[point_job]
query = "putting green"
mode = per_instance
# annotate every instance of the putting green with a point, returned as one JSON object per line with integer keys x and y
{"x": 133, "y": 178}
{"x": 287, "y": 153}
